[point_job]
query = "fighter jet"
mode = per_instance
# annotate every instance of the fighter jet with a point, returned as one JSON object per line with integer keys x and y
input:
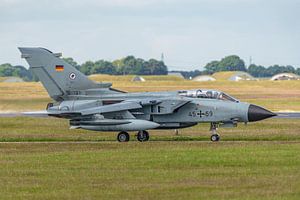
{"x": 99, "y": 107}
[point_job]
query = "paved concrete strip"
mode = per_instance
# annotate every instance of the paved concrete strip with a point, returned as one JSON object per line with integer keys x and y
{"x": 13, "y": 114}
{"x": 288, "y": 115}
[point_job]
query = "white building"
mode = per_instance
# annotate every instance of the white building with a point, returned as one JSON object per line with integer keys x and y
{"x": 285, "y": 76}
{"x": 202, "y": 78}
{"x": 138, "y": 79}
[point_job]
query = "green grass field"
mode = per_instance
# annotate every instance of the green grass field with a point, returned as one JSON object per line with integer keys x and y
{"x": 257, "y": 161}
{"x": 42, "y": 159}
{"x": 154, "y": 170}
{"x": 50, "y": 129}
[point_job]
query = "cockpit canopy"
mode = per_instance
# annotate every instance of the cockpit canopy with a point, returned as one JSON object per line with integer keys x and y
{"x": 207, "y": 94}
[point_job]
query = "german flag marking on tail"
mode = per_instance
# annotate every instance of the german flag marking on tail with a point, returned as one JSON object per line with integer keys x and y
{"x": 59, "y": 68}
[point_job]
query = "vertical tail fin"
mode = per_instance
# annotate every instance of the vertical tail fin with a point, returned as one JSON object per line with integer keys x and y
{"x": 56, "y": 75}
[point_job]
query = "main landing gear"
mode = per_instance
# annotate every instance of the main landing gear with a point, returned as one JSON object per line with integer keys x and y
{"x": 141, "y": 136}
{"x": 123, "y": 137}
{"x": 214, "y": 134}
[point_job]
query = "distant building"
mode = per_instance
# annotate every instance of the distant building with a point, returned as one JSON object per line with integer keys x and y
{"x": 204, "y": 78}
{"x": 241, "y": 76}
{"x": 177, "y": 74}
{"x": 232, "y": 76}
{"x": 285, "y": 76}
{"x": 138, "y": 79}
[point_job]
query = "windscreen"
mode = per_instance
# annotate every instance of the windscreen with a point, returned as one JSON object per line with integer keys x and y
{"x": 207, "y": 94}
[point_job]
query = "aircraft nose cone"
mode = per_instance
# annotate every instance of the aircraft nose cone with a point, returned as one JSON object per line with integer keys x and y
{"x": 256, "y": 113}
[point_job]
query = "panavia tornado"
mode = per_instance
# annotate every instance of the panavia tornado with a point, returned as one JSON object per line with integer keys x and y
{"x": 99, "y": 107}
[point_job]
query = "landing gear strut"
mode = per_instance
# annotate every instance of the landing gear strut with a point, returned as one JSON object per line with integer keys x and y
{"x": 123, "y": 137}
{"x": 214, "y": 135}
{"x": 142, "y": 136}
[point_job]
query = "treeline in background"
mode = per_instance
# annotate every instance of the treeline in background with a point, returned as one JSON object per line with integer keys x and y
{"x": 138, "y": 66}
{"x": 235, "y": 63}
{"x": 124, "y": 66}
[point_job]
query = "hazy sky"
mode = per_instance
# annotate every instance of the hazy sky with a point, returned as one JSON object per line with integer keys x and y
{"x": 190, "y": 33}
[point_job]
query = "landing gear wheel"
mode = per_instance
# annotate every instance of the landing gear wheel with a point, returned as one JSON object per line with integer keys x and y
{"x": 214, "y": 134}
{"x": 142, "y": 136}
{"x": 123, "y": 137}
{"x": 215, "y": 138}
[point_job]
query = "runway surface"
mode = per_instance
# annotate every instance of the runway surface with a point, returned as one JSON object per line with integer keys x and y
{"x": 14, "y": 114}
{"x": 288, "y": 115}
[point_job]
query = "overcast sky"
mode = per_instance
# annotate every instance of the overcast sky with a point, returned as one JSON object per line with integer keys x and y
{"x": 190, "y": 33}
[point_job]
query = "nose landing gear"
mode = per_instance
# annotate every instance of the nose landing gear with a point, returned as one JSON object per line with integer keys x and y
{"x": 142, "y": 136}
{"x": 214, "y": 136}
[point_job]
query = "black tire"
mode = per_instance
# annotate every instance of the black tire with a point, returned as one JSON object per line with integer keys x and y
{"x": 49, "y": 105}
{"x": 143, "y": 136}
{"x": 215, "y": 138}
{"x": 123, "y": 137}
